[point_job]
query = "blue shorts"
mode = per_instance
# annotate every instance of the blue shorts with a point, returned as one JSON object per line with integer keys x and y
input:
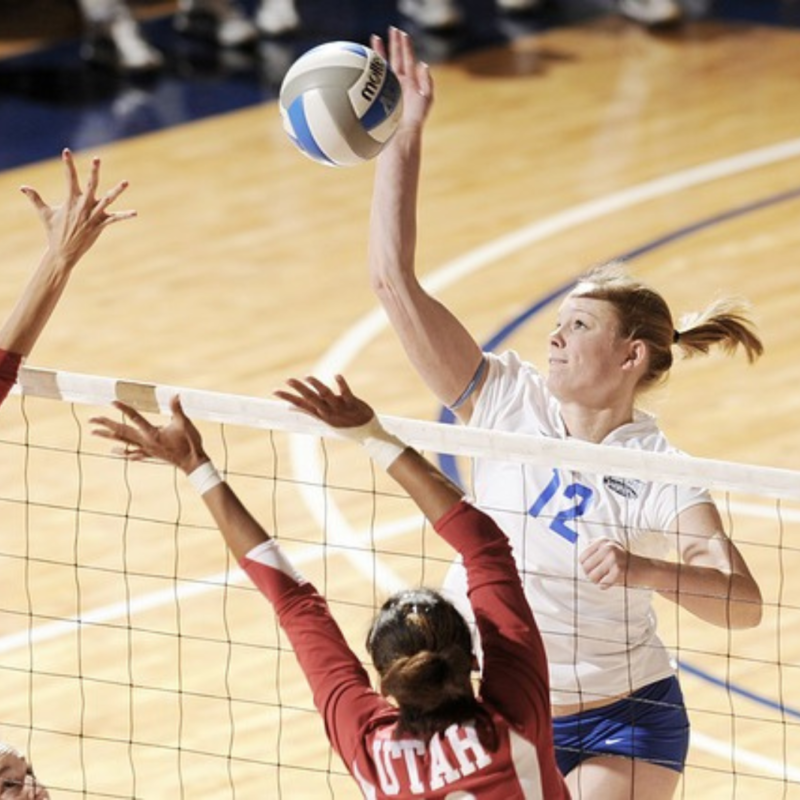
{"x": 651, "y": 725}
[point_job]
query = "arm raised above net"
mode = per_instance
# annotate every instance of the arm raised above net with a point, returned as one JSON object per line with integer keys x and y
{"x": 438, "y": 345}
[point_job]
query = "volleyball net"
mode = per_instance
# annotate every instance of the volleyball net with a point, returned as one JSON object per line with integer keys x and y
{"x": 137, "y": 661}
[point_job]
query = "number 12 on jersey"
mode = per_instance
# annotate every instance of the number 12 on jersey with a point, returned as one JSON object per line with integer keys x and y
{"x": 568, "y": 502}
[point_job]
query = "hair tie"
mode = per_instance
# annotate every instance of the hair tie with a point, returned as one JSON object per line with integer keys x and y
{"x": 676, "y": 334}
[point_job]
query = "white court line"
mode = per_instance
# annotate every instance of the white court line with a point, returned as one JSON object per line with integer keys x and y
{"x": 139, "y": 605}
{"x": 739, "y": 755}
{"x": 184, "y": 591}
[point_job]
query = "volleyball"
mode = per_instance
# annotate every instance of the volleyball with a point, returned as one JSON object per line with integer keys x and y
{"x": 340, "y": 103}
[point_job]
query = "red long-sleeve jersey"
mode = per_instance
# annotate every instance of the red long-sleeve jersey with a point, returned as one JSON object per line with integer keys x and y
{"x": 9, "y": 368}
{"x": 362, "y": 725}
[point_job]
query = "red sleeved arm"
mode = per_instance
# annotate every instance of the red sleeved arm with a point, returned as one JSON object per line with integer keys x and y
{"x": 9, "y": 369}
{"x": 515, "y": 676}
{"x": 340, "y": 685}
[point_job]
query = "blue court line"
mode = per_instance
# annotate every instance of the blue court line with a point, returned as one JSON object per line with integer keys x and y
{"x": 449, "y": 465}
{"x": 733, "y": 689}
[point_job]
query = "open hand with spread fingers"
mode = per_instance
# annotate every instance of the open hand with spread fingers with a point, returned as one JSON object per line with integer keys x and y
{"x": 339, "y": 410}
{"x": 73, "y": 226}
{"x": 178, "y": 443}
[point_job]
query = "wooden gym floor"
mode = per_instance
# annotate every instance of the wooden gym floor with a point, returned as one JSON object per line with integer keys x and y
{"x": 544, "y": 155}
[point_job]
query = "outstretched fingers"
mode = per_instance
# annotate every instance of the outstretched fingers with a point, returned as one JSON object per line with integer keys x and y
{"x": 73, "y": 226}
{"x": 93, "y": 182}
{"x": 109, "y": 429}
{"x": 376, "y": 43}
{"x": 424, "y": 80}
{"x": 314, "y": 397}
{"x": 119, "y": 432}
{"x": 401, "y": 53}
{"x": 101, "y": 208}
{"x": 129, "y": 435}
{"x": 35, "y": 198}
{"x": 176, "y": 407}
{"x": 134, "y": 416}
{"x": 324, "y": 393}
{"x": 306, "y": 399}
{"x": 414, "y": 76}
{"x": 339, "y": 409}
{"x": 71, "y": 171}
{"x": 344, "y": 388}
{"x": 98, "y": 206}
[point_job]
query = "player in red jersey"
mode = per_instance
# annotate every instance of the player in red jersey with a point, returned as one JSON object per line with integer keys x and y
{"x": 72, "y": 228}
{"x": 426, "y": 733}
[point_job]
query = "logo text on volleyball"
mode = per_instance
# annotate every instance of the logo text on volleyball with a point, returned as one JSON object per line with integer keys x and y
{"x": 377, "y": 69}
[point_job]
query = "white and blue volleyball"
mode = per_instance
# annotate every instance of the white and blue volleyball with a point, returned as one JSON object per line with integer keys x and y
{"x": 341, "y": 103}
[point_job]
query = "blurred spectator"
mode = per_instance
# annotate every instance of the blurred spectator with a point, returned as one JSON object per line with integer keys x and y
{"x": 114, "y": 38}
{"x": 442, "y": 14}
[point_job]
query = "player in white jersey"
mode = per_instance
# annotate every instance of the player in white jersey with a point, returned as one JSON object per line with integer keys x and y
{"x": 592, "y": 549}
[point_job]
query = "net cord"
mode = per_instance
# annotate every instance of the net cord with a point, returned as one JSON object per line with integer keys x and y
{"x": 430, "y": 437}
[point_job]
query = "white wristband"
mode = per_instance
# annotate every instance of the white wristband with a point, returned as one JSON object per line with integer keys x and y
{"x": 205, "y": 478}
{"x": 381, "y": 446}
{"x": 385, "y": 451}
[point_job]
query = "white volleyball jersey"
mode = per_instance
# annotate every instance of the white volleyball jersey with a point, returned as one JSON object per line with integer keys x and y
{"x": 599, "y": 642}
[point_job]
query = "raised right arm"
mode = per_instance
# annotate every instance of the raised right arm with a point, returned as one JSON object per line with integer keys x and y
{"x": 438, "y": 345}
